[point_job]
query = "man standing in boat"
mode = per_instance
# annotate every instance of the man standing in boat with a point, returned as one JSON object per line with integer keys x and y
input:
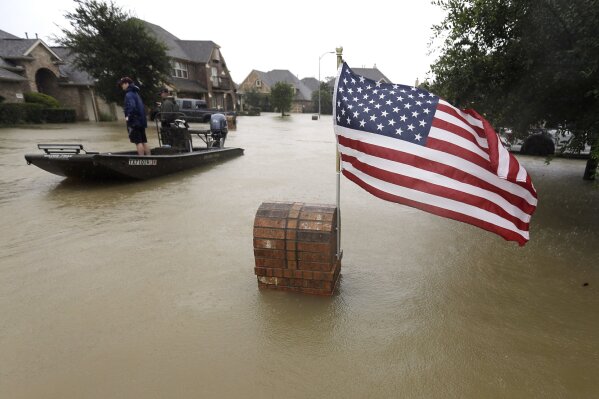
{"x": 135, "y": 115}
{"x": 168, "y": 108}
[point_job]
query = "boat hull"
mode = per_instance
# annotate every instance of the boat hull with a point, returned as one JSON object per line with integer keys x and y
{"x": 126, "y": 166}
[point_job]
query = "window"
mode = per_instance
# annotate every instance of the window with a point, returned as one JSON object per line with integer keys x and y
{"x": 186, "y": 104}
{"x": 258, "y": 83}
{"x": 214, "y": 77}
{"x": 179, "y": 70}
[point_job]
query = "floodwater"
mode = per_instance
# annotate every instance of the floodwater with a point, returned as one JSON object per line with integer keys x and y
{"x": 146, "y": 289}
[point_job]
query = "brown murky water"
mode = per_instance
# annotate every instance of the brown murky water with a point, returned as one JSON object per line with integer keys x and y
{"x": 146, "y": 289}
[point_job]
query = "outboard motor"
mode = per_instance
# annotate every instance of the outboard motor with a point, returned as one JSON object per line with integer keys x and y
{"x": 218, "y": 130}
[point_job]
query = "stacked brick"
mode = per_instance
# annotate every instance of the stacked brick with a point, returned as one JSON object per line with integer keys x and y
{"x": 295, "y": 247}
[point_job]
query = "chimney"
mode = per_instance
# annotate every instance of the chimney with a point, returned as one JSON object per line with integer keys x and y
{"x": 36, "y": 36}
{"x": 26, "y": 35}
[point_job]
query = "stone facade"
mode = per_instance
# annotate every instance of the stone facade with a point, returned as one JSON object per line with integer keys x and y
{"x": 30, "y": 66}
{"x": 13, "y": 91}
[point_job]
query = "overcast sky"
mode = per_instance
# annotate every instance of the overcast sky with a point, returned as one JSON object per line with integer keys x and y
{"x": 266, "y": 35}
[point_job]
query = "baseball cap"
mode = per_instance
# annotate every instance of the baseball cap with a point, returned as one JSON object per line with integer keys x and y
{"x": 125, "y": 79}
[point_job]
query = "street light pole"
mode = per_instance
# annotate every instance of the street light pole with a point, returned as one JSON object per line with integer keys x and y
{"x": 319, "y": 58}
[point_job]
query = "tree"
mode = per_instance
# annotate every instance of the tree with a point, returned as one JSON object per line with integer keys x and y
{"x": 108, "y": 44}
{"x": 256, "y": 99}
{"x": 281, "y": 96}
{"x": 524, "y": 64}
{"x": 326, "y": 100}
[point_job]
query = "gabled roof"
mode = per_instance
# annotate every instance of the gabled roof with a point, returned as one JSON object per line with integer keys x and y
{"x": 69, "y": 74}
{"x": 189, "y": 50}
{"x": 371, "y": 73}
{"x": 284, "y": 75}
{"x": 11, "y": 48}
{"x": 10, "y": 76}
{"x": 198, "y": 50}
{"x": 21, "y": 48}
{"x": 311, "y": 83}
{"x": 14, "y": 48}
{"x": 6, "y": 35}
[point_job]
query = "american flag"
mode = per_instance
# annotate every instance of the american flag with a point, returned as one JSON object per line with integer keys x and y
{"x": 406, "y": 145}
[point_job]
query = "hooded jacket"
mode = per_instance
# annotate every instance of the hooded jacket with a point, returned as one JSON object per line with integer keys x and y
{"x": 134, "y": 108}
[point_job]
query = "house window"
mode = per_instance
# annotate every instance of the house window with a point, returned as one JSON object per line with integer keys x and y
{"x": 214, "y": 77}
{"x": 179, "y": 70}
{"x": 258, "y": 83}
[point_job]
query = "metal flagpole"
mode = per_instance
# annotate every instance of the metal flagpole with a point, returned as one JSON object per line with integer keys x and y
{"x": 339, "y": 251}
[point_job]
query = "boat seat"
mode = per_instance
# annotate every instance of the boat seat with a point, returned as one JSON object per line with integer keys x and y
{"x": 61, "y": 148}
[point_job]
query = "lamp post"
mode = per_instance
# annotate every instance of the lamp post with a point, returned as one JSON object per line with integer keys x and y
{"x": 319, "y": 58}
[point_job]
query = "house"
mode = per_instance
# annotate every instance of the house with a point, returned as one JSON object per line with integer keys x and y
{"x": 263, "y": 82}
{"x": 198, "y": 70}
{"x": 30, "y": 65}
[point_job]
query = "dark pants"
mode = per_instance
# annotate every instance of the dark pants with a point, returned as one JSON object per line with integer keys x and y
{"x": 137, "y": 135}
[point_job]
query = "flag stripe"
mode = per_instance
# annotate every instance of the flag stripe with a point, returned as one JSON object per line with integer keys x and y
{"x": 449, "y": 148}
{"x": 450, "y": 209}
{"x": 409, "y": 169}
{"x": 469, "y": 119}
{"x": 444, "y": 117}
{"x": 440, "y": 186}
{"x": 443, "y": 131}
{"x": 356, "y": 149}
{"x": 396, "y": 149}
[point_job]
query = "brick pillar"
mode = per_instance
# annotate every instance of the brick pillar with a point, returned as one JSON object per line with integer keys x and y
{"x": 295, "y": 247}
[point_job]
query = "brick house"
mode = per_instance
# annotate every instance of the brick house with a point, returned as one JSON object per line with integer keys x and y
{"x": 198, "y": 70}
{"x": 30, "y": 65}
{"x": 264, "y": 81}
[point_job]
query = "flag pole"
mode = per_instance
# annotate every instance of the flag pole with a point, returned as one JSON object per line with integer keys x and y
{"x": 339, "y": 251}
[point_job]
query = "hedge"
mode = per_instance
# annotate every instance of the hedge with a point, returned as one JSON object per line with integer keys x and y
{"x": 13, "y": 113}
{"x": 41, "y": 98}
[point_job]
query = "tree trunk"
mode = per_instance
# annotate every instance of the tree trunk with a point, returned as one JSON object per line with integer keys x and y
{"x": 591, "y": 169}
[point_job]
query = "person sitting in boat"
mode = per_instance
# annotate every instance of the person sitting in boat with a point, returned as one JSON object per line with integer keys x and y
{"x": 135, "y": 115}
{"x": 168, "y": 108}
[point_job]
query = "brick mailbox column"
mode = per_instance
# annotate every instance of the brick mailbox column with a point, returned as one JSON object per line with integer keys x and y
{"x": 295, "y": 247}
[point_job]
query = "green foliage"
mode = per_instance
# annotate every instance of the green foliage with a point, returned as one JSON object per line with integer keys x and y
{"x": 281, "y": 97}
{"x": 254, "y": 99}
{"x": 326, "y": 99}
{"x": 41, "y": 98}
{"x": 109, "y": 44}
{"x": 13, "y": 113}
{"x": 522, "y": 63}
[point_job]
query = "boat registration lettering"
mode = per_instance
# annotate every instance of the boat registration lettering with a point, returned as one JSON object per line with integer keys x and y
{"x": 58, "y": 155}
{"x": 143, "y": 162}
